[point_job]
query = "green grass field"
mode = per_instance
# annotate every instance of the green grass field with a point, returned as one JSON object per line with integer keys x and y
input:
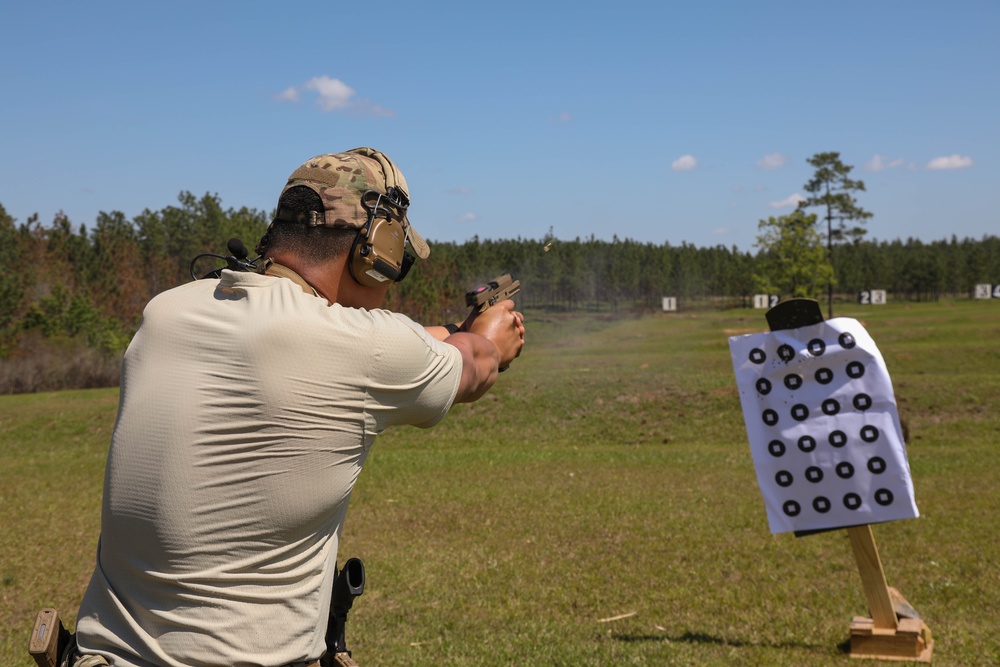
{"x": 608, "y": 475}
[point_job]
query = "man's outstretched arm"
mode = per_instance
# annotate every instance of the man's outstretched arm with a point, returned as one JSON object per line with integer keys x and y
{"x": 490, "y": 342}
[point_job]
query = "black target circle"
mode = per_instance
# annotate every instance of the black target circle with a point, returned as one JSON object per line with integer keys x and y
{"x": 883, "y": 497}
{"x": 814, "y": 474}
{"x": 791, "y": 508}
{"x": 824, "y": 376}
{"x": 817, "y": 347}
{"x": 869, "y": 433}
{"x": 786, "y": 352}
{"x": 821, "y": 504}
{"x": 800, "y": 413}
{"x": 855, "y": 369}
{"x": 783, "y": 478}
{"x": 764, "y": 386}
{"x": 831, "y": 407}
{"x": 846, "y": 341}
{"x": 876, "y": 465}
{"x": 838, "y": 439}
{"x": 757, "y": 356}
{"x": 776, "y": 448}
{"x": 845, "y": 470}
{"x": 862, "y": 402}
{"x": 770, "y": 417}
{"x": 793, "y": 381}
{"x": 807, "y": 443}
{"x": 852, "y": 501}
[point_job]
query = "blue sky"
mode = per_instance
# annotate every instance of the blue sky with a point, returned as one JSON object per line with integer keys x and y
{"x": 655, "y": 121}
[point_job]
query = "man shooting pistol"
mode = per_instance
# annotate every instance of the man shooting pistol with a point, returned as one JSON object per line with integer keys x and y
{"x": 249, "y": 404}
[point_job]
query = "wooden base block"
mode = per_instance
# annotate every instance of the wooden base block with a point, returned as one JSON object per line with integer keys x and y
{"x": 911, "y": 640}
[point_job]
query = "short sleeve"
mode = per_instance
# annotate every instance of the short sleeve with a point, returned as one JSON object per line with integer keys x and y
{"x": 414, "y": 378}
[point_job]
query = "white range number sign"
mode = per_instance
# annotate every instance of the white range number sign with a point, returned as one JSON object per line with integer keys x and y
{"x": 872, "y": 297}
{"x": 824, "y": 431}
{"x": 765, "y": 300}
{"x": 987, "y": 291}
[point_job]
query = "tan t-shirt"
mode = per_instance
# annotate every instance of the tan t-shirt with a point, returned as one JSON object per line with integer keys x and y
{"x": 247, "y": 411}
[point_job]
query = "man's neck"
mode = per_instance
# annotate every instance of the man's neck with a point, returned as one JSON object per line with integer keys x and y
{"x": 272, "y": 268}
{"x": 332, "y": 280}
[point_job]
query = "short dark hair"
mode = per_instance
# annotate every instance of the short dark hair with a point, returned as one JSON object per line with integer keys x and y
{"x": 313, "y": 245}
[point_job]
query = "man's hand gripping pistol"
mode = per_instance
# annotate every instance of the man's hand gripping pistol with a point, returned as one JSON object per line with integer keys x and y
{"x": 497, "y": 290}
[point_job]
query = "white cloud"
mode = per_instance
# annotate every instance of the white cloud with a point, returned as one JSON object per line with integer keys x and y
{"x": 368, "y": 108}
{"x": 333, "y": 93}
{"x": 772, "y": 161}
{"x": 563, "y": 117}
{"x": 788, "y": 202}
{"x": 685, "y": 163}
{"x": 880, "y": 163}
{"x": 950, "y": 162}
{"x": 290, "y": 94}
{"x": 468, "y": 217}
{"x": 461, "y": 190}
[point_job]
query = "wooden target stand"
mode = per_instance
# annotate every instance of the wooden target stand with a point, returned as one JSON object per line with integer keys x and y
{"x": 894, "y": 630}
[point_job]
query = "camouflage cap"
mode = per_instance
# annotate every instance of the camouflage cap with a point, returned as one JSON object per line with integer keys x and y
{"x": 342, "y": 179}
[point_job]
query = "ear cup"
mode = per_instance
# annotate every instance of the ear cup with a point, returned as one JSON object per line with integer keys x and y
{"x": 378, "y": 254}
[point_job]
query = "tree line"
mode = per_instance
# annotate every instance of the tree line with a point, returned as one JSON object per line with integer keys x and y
{"x": 71, "y": 296}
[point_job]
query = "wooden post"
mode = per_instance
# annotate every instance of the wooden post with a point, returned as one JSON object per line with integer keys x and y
{"x": 894, "y": 631}
{"x": 872, "y": 577}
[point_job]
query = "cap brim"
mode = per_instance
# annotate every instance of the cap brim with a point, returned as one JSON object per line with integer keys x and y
{"x": 417, "y": 241}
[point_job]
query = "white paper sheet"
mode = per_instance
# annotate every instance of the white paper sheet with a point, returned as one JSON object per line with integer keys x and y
{"x": 824, "y": 432}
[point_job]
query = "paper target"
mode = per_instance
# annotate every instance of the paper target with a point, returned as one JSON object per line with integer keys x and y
{"x": 824, "y": 431}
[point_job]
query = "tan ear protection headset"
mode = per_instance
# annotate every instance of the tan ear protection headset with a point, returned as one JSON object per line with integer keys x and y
{"x": 379, "y": 251}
